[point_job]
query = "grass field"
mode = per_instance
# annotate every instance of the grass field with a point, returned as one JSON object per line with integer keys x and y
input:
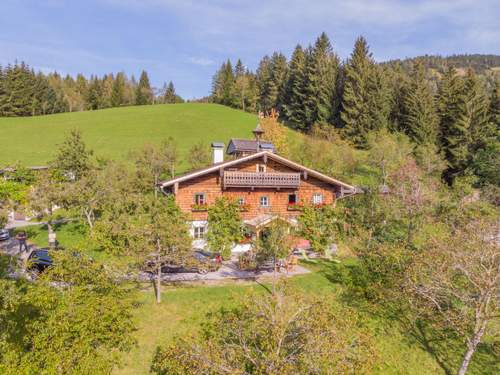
{"x": 112, "y": 133}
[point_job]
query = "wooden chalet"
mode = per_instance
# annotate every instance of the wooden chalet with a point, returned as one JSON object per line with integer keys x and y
{"x": 265, "y": 184}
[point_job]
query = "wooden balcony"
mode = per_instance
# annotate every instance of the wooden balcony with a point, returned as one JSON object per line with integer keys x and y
{"x": 261, "y": 180}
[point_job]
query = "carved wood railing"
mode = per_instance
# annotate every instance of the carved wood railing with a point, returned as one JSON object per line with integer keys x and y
{"x": 256, "y": 180}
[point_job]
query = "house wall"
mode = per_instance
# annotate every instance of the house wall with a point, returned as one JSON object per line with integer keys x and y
{"x": 210, "y": 185}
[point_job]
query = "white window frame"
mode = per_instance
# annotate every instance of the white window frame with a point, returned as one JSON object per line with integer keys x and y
{"x": 202, "y": 195}
{"x": 200, "y": 232}
{"x": 318, "y": 198}
{"x": 267, "y": 203}
{"x": 241, "y": 201}
{"x": 263, "y": 168}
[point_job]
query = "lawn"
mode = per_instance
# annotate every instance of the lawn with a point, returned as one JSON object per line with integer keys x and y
{"x": 112, "y": 133}
{"x": 184, "y": 308}
{"x": 71, "y": 235}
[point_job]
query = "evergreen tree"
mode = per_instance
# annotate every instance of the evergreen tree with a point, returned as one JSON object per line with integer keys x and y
{"x": 293, "y": 103}
{"x": 239, "y": 69}
{"x": 477, "y": 106}
{"x": 494, "y": 111}
{"x": 107, "y": 90}
{"x": 3, "y": 91}
{"x": 419, "y": 120}
{"x": 365, "y": 101}
{"x": 118, "y": 90}
{"x": 266, "y": 85}
{"x": 144, "y": 93}
{"x": 94, "y": 94}
{"x": 454, "y": 126}
{"x": 170, "y": 96}
{"x": 228, "y": 97}
{"x": 18, "y": 85}
{"x": 320, "y": 78}
{"x": 279, "y": 73}
{"x": 398, "y": 82}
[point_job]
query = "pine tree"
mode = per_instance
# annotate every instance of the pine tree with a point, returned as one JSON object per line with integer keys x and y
{"x": 170, "y": 96}
{"x": 144, "y": 93}
{"x": 107, "y": 90}
{"x": 94, "y": 94}
{"x": 266, "y": 85}
{"x": 239, "y": 69}
{"x": 293, "y": 103}
{"x": 365, "y": 101}
{"x": 419, "y": 120}
{"x": 118, "y": 90}
{"x": 3, "y": 92}
{"x": 19, "y": 86}
{"x": 477, "y": 106}
{"x": 279, "y": 73}
{"x": 320, "y": 78}
{"x": 494, "y": 110}
{"x": 228, "y": 97}
{"x": 454, "y": 126}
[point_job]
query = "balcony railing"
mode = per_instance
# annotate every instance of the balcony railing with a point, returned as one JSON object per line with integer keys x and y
{"x": 261, "y": 180}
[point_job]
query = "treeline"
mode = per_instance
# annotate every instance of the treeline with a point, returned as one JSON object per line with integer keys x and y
{"x": 481, "y": 64}
{"x": 23, "y": 92}
{"x": 456, "y": 116}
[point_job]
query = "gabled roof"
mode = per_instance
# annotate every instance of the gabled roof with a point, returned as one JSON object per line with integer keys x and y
{"x": 270, "y": 155}
{"x": 247, "y": 145}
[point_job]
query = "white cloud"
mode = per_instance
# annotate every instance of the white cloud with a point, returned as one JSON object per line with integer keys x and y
{"x": 203, "y": 61}
{"x": 239, "y": 26}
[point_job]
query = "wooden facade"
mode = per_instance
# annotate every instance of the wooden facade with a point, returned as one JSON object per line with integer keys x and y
{"x": 263, "y": 183}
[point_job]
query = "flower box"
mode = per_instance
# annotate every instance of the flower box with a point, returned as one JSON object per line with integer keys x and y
{"x": 199, "y": 207}
{"x": 244, "y": 207}
{"x": 295, "y": 207}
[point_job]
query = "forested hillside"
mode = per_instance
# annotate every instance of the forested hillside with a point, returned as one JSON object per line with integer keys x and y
{"x": 448, "y": 107}
{"x": 23, "y": 92}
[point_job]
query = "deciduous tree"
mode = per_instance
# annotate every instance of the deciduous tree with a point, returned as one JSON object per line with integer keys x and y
{"x": 224, "y": 226}
{"x": 199, "y": 155}
{"x": 318, "y": 225}
{"x": 456, "y": 283}
{"x": 73, "y": 159}
{"x": 166, "y": 236}
{"x": 280, "y": 333}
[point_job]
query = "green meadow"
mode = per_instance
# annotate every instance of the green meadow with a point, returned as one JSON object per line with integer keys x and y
{"x": 113, "y": 133}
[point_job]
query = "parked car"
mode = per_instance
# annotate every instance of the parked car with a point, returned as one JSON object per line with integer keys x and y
{"x": 39, "y": 260}
{"x": 4, "y": 234}
{"x": 199, "y": 262}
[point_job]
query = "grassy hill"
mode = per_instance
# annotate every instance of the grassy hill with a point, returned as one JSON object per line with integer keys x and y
{"x": 114, "y": 132}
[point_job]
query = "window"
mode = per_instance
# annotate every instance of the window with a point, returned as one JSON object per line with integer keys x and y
{"x": 199, "y": 199}
{"x": 292, "y": 198}
{"x": 199, "y": 232}
{"x": 261, "y": 168}
{"x": 264, "y": 201}
{"x": 241, "y": 201}
{"x": 317, "y": 198}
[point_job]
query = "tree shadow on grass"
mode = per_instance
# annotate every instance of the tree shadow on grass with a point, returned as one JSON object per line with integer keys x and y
{"x": 447, "y": 348}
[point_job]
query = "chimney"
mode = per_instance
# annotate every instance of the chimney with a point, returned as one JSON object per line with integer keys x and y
{"x": 217, "y": 152}
{"x": 257, "y": 132}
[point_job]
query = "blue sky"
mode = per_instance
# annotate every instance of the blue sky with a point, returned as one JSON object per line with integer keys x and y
{"x": 186, "y": 40}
